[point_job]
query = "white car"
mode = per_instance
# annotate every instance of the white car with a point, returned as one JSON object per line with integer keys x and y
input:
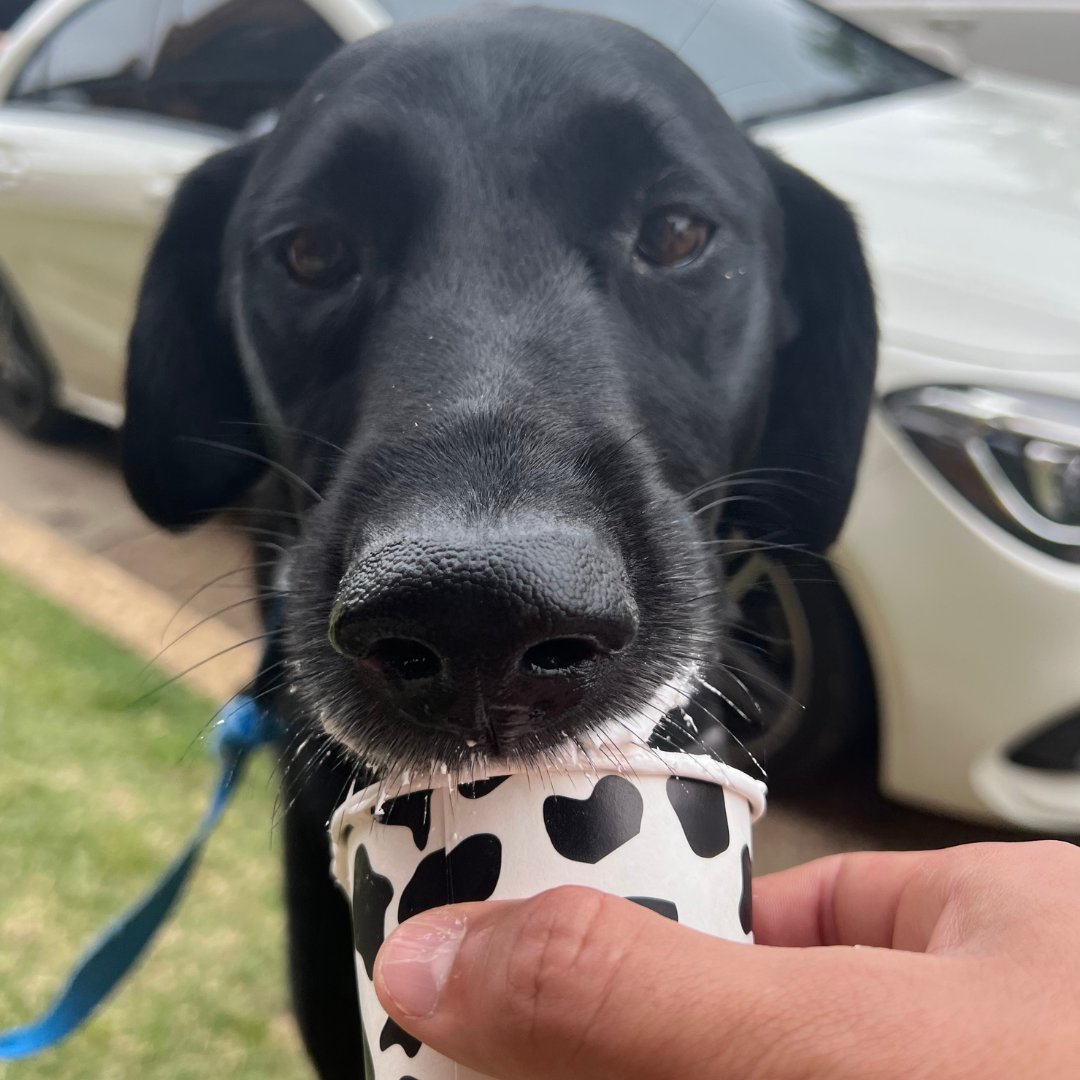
{"x": 1038, "y": 38}
{"x": 955, "y": 626}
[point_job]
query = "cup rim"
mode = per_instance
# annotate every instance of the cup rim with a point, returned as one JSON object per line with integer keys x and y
{"x": 639, "y": 761}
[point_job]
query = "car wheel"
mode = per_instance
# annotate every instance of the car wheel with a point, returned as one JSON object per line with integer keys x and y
{"x": 807, "y": 693}
{"x": 27, "y": 402}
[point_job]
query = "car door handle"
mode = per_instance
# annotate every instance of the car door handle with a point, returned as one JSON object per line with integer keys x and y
{"x": 953, "y": 23}
{"x": 11, "y": 170}
{"x": 159, "y": 189}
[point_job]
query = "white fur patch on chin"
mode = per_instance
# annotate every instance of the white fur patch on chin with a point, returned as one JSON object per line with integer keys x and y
{"x": 607, "y": 743}
{"x": 633, "y": 729}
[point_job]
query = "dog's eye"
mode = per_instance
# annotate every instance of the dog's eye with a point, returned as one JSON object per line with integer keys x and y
{"x": 317, "y": 257}
{"x": 673, "y": 237}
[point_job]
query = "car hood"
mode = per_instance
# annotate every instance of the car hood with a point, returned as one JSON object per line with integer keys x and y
{"x": 968, "y": 195}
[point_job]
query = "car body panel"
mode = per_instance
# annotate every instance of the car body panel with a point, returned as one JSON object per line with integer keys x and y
{"x": 82, "y": 194}
{"x": 973, "y": 635}
{"x": 77, "y": 221}
{"x": 1035, "y": 38}
{"x": 968, "y": 196}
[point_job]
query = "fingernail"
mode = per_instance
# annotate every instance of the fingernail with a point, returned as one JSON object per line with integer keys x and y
{"x": 417, "y": 959}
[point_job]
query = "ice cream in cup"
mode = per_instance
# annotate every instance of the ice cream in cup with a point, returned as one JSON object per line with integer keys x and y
{"x": 667, "y": 830}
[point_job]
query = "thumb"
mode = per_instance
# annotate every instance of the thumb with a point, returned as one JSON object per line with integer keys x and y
{"x": 576, "y": 984}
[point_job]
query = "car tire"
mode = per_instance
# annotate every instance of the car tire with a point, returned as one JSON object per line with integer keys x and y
{"x": 27, "y": 398}
{"x": 808, "y": 699}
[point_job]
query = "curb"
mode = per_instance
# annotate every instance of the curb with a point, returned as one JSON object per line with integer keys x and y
{"x": 125, "y": 608}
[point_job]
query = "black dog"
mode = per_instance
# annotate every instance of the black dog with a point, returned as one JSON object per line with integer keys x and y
{"x": 501, "y": 301}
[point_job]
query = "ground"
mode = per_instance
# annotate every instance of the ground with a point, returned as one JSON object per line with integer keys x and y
{"x": 100, "y": 784}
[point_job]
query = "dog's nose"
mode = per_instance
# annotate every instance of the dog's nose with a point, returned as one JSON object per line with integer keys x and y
{"x": 462, "y": 633}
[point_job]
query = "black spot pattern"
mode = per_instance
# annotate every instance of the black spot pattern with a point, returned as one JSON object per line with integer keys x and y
{"x": 413, "y": 811}
{"x": 371, "y": 897}
{"x": 702, "y": 813}
{"x": 588, "y": 830}
{"x": 468, "y": 872}
{"x": 746, "y": 902}
{"x": 479, "y": 788}
{"x": 666, "y": 908}
{"x": 394, "y": 1035}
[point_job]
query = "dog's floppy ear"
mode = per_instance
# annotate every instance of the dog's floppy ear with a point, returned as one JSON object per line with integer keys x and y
{"x": 186, "y": 393}
{"x": 824, "y": 374}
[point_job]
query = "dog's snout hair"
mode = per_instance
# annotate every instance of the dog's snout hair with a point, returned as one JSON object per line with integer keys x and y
{"x": 504, "y": 324}
{"x": 490, "y": 545}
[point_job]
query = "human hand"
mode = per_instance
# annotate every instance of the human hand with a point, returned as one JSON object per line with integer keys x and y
{"x": 966, "y": 964}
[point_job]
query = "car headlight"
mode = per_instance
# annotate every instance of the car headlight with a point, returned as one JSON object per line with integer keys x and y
{"x": 1013, "y": 455}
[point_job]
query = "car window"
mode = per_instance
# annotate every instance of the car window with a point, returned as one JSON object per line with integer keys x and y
{"x": 234, "y": 63}
{"x": 769, "y": 58}
{"x": 96, "y": 59}
{"x": 11, "y": 11}
{"x": 669, "y": 21}
{"x": 762, "y": 58}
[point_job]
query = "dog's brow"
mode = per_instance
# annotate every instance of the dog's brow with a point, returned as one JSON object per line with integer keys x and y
{"x": 624, "y": 144}
{"x": 354, "y": 152}
{"x": 620, "y": 131}
{"x": 624, "y": 114}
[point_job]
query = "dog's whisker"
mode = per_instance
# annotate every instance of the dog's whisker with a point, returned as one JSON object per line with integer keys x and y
{"x": 271, "y": 463}
{"x": 194, "y": 667}
{"x": 279, "y": 548}
{"x": 583, "y": 750}
{"x": 751, "y": 475}
{"x": 744, "y": 546}
{"x": 210, "y": 618}
{"x": 263, "y": 530}
{"x": 710, "y": 595}
{"x": 618, "y": 758}
{"x": 618, "y": 449}
{"x": 220, "y": 710}
{"x": 301, "y": 432}
{"x": 666, "y": 723}
{"x": 745, "y": 749}
{"x": 255, "y": 511}
{"x": 753, "y": 723}
{"x": 735, "y": 487}
{"x": 731, "y": 500}
{"x": 759, "y": 677}
{"x": 730, "y": 672}
{"x": 262, "y": 565}
{"x": 752, "y": 646}
{"x": 129, "y": 538}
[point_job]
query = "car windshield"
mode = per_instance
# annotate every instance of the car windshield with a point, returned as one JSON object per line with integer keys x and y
{"x": 762, "y": 58}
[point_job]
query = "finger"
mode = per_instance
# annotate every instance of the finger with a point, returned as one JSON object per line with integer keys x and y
{"x": 883, "y": 899}
{"x": 577, "y": 984}
{"x": 921, "y": 901}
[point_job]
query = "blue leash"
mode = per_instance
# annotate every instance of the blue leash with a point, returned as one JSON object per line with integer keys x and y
{"x": 244, "y": 726}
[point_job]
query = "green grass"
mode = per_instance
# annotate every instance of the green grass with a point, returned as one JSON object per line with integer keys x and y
{"x": 97, "y": 792}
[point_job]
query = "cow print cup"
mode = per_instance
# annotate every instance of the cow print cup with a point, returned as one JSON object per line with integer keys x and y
{"x": 670, "y": 832}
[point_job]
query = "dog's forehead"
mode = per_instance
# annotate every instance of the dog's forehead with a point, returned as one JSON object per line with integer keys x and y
{"x": 502, "y": 54}
{"x": 499, "y": 76}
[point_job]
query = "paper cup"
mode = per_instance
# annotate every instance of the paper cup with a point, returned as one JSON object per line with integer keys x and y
{"x": 669, "y": 831}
